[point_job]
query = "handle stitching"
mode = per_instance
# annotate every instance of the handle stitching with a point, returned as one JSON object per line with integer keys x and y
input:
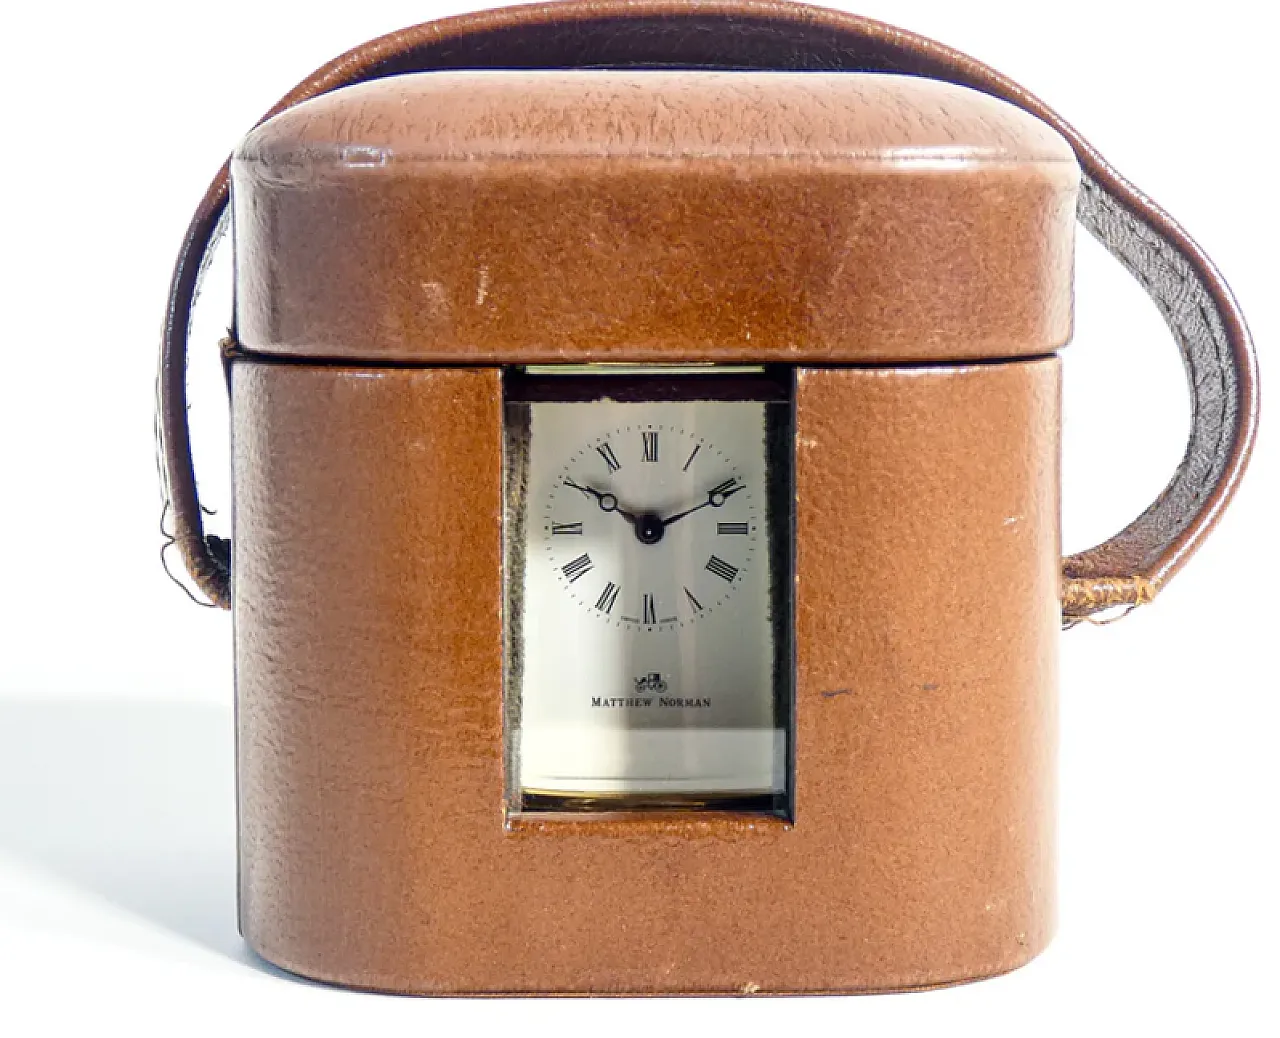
{"x": 1175, "y": 266}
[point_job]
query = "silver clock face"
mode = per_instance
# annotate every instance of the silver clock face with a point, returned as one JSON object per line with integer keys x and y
{"x": 641, "y": 599}
{"x": 650, "y": 526}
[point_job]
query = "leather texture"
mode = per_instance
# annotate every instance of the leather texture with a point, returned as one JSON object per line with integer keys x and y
{"x": 1198, "y": 306}
{"x": 508, "y": 217}
{"x": 375, "y": 847}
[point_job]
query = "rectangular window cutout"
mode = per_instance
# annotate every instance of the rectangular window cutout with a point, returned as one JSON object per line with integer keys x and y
{"x": 649, "y": 540}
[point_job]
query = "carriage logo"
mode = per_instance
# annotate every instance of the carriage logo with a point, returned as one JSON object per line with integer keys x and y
{"x": 653, "y": 683}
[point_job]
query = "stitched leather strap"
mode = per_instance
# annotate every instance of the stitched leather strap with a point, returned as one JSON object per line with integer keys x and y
{"x": 1131, "y": 567}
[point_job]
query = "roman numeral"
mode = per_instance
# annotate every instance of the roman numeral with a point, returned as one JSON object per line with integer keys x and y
{"x": 573, "y": 570}
{"x": 726, "y": 529}
{"x": 610, "y": 459}
{"x": 650, "y": 610}
{"x": 565, "y": 528}
{"x": 691, "y": 457}
{"x": 697, "y": 606}
{"x": 650, "y": 446}
{"x": 722, "y": 569}
{"x": 607, "y": 597}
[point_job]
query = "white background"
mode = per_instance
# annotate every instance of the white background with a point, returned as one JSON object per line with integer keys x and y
{"x": 116, "y": 780}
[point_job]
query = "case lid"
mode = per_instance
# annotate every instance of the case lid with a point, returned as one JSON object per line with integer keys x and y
{"x": 552, "y": 216}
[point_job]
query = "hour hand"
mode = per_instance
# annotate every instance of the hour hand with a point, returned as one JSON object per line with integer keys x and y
{"x": 716, "y": 497}
{"x": 607, "y": 502}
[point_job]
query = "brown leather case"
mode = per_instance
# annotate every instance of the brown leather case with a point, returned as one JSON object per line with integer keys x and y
{"x": 904, "y": 247}
{"x": 484, "y": 219}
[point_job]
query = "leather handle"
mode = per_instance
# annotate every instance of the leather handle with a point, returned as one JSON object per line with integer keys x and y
{"x": 1127, "y": 570}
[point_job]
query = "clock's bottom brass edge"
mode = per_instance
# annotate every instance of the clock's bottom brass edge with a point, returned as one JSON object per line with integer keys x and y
{"x": 744, "y": 801}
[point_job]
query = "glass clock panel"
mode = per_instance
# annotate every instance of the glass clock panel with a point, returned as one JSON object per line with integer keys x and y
{"x": 649, "y": 533}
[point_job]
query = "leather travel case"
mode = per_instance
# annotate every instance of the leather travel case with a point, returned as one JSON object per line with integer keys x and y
{"x": 885, "y": 221}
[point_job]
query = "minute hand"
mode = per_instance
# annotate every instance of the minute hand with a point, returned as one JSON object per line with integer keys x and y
{"x": 716, "y": 496}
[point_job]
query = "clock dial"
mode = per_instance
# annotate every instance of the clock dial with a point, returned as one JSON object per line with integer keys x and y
{"x": 668, "y": 520}
{"x": 644, "y": 613}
